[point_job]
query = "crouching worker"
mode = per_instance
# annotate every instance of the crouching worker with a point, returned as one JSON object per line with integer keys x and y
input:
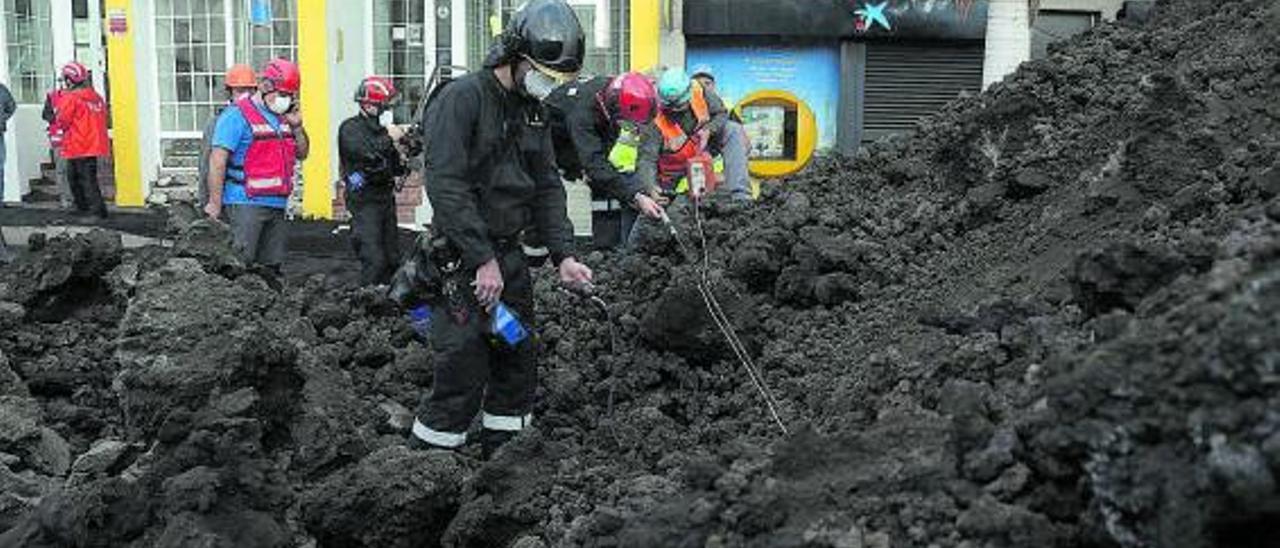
{"x": 489, "y": 173}
{"x": 692, "y": 123}
{"x": 587, "y": 118}
{"x": 256, "y": 146}
{"x": 371, "y": 164}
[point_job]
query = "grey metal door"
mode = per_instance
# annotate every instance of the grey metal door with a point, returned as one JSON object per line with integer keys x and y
{"x": 905, "y": 82}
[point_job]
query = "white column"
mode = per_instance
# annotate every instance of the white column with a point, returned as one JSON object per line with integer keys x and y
{"x": 458, "y": 26}
{"x": 671, "y": 49}
{"x": 144, "y": 40}
{"x": 99, "y": 62}
{"x": 602, "y": 19}
{"x": 1008, "y": 39}
{"x": 12, "y": 186}
{"x": 429, "y": 37}
{"x": 64, "y": 38}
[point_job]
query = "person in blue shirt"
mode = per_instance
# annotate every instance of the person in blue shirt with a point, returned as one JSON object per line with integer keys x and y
{"x": 258, "y": 223}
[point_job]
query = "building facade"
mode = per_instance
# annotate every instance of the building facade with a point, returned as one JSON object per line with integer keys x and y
{"x": 866, "y": 69}
{"x": 860, "y": 69}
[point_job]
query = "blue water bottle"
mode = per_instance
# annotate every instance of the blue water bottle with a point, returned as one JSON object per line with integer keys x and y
{"x": 506, "y": 326}
{"x": 420, "y": 320}
{"x": 355, "y": 182}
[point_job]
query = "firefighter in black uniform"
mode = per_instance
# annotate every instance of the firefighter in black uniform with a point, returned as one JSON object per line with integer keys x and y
{"x": 586, "y": 118}
{"x": 490, "y": 174}
{"x": 370, "y": 164}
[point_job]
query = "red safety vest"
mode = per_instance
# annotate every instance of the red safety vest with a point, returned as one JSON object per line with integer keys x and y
{"x": 56, "y": 132}
{"x": 678, "y": 148}
{"x": 270, "y": 160}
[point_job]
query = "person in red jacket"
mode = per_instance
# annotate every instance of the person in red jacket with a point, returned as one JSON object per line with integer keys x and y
{"x": 81, "y": 119}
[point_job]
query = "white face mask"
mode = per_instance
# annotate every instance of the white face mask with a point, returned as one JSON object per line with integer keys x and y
{"x": 281, "y": 104}
{"x": 539, "y": 85}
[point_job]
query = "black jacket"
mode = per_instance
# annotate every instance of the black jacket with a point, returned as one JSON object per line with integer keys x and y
{"x": 489, "y": 170}
{"x": 584, "y": 136}
{"x": 365, "y": 146}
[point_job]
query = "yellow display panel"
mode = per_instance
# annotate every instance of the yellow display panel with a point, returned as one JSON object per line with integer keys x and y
{"x": 806, "y": 133}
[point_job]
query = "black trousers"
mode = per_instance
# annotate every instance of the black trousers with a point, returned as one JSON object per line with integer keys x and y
{"x": 374, "y": 235}
{"x": 260, "y": 234}
{"x": 82, "y": 177}
{"x": 473, "y": 373}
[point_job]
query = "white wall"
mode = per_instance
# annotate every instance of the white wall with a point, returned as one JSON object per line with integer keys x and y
{"x": 1008, "y": 39}
{"x": 348, "y": 24}
{"x": 28, "y": 146}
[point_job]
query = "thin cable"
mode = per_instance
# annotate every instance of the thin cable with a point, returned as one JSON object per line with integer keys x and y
{"x": 722, "y": 322}
{"x": 613, "y": 355}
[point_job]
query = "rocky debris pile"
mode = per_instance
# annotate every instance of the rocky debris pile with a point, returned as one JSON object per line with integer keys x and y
{"x": 1047, "y": 318}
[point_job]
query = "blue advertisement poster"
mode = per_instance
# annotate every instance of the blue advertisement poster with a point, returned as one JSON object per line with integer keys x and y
{"x": 811, "y": 72}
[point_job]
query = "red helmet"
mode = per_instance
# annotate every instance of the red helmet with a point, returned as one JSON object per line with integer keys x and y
{"x": 75, "y": 73}
{"x": 283, "y": 75}
{"x": 632, "y": 97}
{"x": 376, "y": 90}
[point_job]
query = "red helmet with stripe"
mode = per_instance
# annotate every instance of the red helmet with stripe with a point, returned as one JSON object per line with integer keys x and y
{"x": 283, "y": 75}
{"x": 631, "y": 97}
{"x": 376, "y": 90}
{"x": 75, "y": 73}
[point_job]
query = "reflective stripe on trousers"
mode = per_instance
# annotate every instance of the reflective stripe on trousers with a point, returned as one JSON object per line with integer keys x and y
{"x": 437, "y": 438}
{"x": 506, "y": 423}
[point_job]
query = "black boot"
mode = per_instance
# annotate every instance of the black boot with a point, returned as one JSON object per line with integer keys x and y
{"x": 492, "y": 440}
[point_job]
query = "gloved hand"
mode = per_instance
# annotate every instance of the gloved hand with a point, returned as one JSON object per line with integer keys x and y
{"x": 420, "y": 320}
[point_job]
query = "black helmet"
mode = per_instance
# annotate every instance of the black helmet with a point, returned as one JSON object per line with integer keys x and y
{"x": 549, "y": 34}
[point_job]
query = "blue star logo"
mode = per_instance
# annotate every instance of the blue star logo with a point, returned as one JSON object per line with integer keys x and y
{"x": 874, "y": 14}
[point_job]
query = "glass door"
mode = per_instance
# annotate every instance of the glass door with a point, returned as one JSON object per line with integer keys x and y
{"x": 399, "y": 51}
{"x": 192, "y": 54}
{"x": 266, "y": 30}
{"x": 196, "y": 40}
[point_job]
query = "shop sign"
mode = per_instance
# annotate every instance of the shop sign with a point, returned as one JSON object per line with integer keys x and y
{"x": 843, "y": 19}
{"x": 117, "y": 22}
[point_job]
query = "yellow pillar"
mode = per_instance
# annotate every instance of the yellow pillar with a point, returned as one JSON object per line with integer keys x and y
{"x": 126, "y": 142}
{"x": 317, "y": 192}
{"x": 646, "y": 17}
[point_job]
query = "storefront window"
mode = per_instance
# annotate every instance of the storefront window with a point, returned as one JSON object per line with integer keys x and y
{"x": 609, "y": 56}
{"x": 191, "y": 56}
{"x": 276, "y": 39}
{"x": 30, "y": 49}
{"x": 399, "y": 51}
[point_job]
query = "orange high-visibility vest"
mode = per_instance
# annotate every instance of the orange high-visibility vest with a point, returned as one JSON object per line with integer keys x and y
{"x": 674, "y": 140}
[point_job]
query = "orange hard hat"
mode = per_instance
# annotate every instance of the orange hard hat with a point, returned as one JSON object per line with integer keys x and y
{"x": 241, "y": 76}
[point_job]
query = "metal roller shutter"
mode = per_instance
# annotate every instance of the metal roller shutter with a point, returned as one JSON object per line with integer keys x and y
{"x": 906, "y": 82}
